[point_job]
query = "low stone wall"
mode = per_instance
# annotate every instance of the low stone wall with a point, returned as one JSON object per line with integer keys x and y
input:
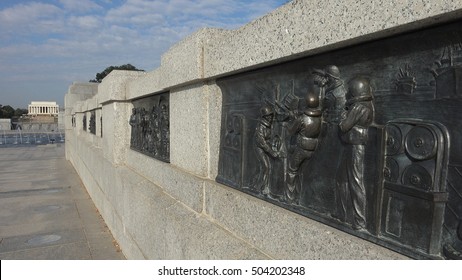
{"x": 5, "y": 124}
{"x": 176, "y": 210}
{"x": 39, "y": 126}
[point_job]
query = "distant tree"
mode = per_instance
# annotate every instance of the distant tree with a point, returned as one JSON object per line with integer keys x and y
{"x": 7, "y": 112}
{"x": 19, "y": 112}
{"x": 100, "y": 76}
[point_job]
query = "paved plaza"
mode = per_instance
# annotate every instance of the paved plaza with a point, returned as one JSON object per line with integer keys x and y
{"x": 45, "y": 212}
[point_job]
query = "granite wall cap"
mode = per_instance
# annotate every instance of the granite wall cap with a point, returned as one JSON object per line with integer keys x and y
{"x": 113, "y": 86}
{"x": 84, "y": 88}
{"x": 181, "y": 65}
{"x": 300, "y": 28}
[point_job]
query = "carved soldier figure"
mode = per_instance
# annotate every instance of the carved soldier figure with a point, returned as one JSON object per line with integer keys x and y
{"x": 333, "y": 93}
{"x": 154, "y": 131}
{"x": 354, "y": 126}
{"x": 165, "y": 131}
{"x": 307, "y": 128}
{"x": 92, "y": 123}
{"x": 149, "y": 139}
{"x": 263, "y": 147}
{"x": 332, "y": 98}
{"x": 133, "y": 123}
{"x": 144, "y": 124}
{"x": 84, "y": 121}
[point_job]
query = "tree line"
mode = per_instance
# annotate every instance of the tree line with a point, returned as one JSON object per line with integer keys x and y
{"x": 100, "y": 76}
{"x": 8, "y": 112}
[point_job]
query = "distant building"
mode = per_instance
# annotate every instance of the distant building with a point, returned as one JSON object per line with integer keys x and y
{"x": 43, "y": 108}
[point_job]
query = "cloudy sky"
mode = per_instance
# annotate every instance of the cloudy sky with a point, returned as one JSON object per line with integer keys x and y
{"x": 45, "y": 45}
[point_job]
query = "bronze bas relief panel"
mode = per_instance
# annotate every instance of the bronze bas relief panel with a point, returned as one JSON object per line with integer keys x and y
{"x": 92, "y": 122}
{"x": 150, "y": 126}
{"x": 367, "y": 139}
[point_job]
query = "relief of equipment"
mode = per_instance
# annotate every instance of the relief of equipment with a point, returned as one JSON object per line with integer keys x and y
{"x": 394, "y": 139}
{"x": 417, "y": 176}
{"x": 391, "y": 170}
{"x": 233, "y": 149}
{"x": 421, "y": 143}
{"x": 414, "y": 190}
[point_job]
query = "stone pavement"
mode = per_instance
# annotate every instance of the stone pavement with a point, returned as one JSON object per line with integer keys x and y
{"x": 45, "y": 212}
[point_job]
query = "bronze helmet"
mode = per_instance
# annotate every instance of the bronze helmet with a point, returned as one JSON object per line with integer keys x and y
{"x": 312, "y": 100}
{"x": 360, "y": 89}
{"x": 332, "y": 71}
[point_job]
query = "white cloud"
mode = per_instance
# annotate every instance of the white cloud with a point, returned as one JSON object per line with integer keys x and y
{"x": 183, "y": 17}
{"x": 181, "y": 12}
{"x": 80, "y": 6}
{"x": 28, "y": 12}
{"x": 132, "y": 23}
{"x": 29, "y": 18}
{"x": 75, "y": 39}
{"x": 138, "y": 12}
{"x": 84, "y": 22}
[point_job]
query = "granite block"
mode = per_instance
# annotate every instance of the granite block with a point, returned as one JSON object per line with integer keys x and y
{"x": 193, "y": 236}
{"x": 113, "y": 86}
{"x": 116, "y": 132}
{"x": 182, "y": 64}
{"x": 177, "y": 183}
{"x": 282, "y": 234}
{"x": 189, "y": 129}
{"x": 214, "y": 128}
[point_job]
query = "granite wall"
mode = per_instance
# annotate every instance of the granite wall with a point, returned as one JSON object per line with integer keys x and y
{"x": 176, "y": 210}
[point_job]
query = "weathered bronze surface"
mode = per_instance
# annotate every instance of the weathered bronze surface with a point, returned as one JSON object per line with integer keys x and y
{"x": 84, "y": 122}
{"x": 150, "y": 132}
{"x": 367, "y": 139}
{"x": 92, "y": 122}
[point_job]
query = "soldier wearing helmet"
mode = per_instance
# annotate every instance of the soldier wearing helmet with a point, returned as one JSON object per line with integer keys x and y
{"x": 307, "y": 128}
{"x": 134, "y": 132}
{"x": 164, "y": 130}
{"x": 264, "y": 148}
{"x": 332, "y": 92}
{"x": 360, "y": 112}
{"x": 357, "y": 118}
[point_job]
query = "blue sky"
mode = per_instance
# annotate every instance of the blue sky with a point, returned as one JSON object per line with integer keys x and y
{"x": 46, "y": 45}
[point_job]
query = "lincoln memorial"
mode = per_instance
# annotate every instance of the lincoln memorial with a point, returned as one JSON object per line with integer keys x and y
{"x": 43, "y": 108}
